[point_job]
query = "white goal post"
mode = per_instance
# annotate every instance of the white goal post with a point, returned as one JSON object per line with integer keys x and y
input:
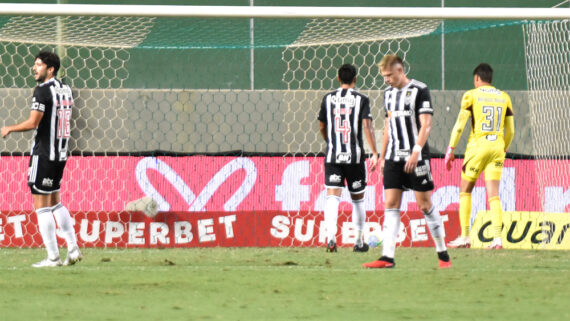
{"x": 283, "y": 12}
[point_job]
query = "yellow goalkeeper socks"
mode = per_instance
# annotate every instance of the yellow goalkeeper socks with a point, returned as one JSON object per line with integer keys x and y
{"x": 496, "y": 215}
{"x": 465, "y": 213}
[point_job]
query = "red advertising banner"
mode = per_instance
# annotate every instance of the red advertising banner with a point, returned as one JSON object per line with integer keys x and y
{"x": 207, "y": 229}
{"x": 257, "y": 194}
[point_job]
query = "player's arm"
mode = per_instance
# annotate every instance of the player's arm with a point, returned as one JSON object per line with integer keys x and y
{"x": 32, "y": 122}
{"x": 368, "y": 129}
{"x": 323, "y": 130}
{"x": 423, "y": 135}
{"x": 385, "y": 139}
{"x": 323, "y": 119}
{"x": 457, "y": 131}
{"x": 509, "y": 126}
{"x": 424, "y": 109}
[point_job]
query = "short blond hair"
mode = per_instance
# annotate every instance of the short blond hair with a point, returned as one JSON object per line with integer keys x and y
{"x": 390, "y": 61}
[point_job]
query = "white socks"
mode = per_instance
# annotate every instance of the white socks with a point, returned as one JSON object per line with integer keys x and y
{"x": 331, "y": 217}
{"x": 66, "y": 224}
{"x": 46, "y": 225}
{"x": 436, "y": 229}
{"x": 390, "y": 228}
{"x": 358, "y": 219}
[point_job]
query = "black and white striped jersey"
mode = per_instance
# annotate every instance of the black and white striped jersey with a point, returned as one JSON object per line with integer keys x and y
{"x": 342, "y": 111}
{"x": 404, "y": 107}
{"x": 51, "y": 138}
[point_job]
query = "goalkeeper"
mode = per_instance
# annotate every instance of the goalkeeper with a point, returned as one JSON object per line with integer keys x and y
{"x": 491, "y": 114}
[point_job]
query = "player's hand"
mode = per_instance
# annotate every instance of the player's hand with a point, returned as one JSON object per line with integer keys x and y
{"x": 382, "y": 162}
{"x": 5, "y": 132}
{"x": 449, "y": 158}
{"x": 373, "y": 162}
{"x": 412, "y": 162}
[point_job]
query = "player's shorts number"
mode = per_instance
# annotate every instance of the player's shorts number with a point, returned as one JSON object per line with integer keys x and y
{"x": 493, "y": 116}
{"x": 64, "y": 123}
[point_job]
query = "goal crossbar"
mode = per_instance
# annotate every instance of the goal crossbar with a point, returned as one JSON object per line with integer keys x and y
{"x": 282, "y": 11}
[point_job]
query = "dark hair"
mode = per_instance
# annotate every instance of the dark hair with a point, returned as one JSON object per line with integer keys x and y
{"x": 484, "y": 71}
{"x": 347, "y": 73}
{"x": 50, "y": 59}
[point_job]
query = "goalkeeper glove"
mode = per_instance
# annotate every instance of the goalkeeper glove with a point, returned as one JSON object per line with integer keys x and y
{"x": 449, "y": 157}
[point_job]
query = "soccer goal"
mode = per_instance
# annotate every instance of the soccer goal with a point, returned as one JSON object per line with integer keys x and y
{"x": 209, "y": 116}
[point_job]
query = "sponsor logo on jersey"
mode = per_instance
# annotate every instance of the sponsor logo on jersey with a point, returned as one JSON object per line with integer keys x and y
{"x": 342, "y": 111}
{"x": 357, "y": 184}
{"x": 347, "y": 101}
{"x": 62, "y": 91}
{"x": 48, "y": 182}
{"x": 38, "y": 106}
{"x": 402, "y": 152}
{"x": 408, "y": 99}
{"x": 343, "y": 158}
{"x": 334, "y": 178}
{"x": 402, "y": 113}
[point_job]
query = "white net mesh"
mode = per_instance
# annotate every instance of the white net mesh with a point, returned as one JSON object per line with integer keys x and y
{"x": 94, "y": 46}
{"x": 548, "y": 70}
{"x": 177, "y": 108}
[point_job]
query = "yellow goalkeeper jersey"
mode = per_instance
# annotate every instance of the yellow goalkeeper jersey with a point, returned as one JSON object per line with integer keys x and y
{"x": 489, "y": 107}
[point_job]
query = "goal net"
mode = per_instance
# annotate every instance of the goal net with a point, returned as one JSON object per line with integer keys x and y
{"x": 213, "y": 122}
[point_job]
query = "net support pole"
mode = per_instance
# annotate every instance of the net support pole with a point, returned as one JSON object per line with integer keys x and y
{"x": 251, "y": 49}
{"x": 443, "y": 50}
{"x": 59, "y": 40}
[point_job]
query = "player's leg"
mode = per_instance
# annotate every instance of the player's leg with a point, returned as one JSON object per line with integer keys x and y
{"x": 493, "y": 172}
{"x": 463, "y": 241}
{"x": 46, "y": 225}
{"x": 334, "y": 182}
{"x": 331, "y": 217}
{"x": 469, "y": 173}
{"x": 356, "y": 182}
{"x": 37, "y": 175}
{"x": 496, "y": 209}
{"x": 65, "y": 223}
{"x": 435, "y": 226}
{"x": 395, "y": 181}
{"x": 62, "y": 216}
{"x": 422, "y": 184}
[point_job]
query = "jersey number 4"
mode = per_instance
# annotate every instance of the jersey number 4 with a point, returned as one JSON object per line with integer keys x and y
{"x": 64, "y": 123}
{"x": 344, "y": 129}
{"x": 492, "y": 117}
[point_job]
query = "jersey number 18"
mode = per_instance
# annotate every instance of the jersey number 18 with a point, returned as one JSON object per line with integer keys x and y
{"x": 64, "y": 123}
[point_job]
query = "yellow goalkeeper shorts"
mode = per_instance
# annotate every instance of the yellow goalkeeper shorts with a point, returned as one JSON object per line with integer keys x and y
{"x": 487, "y": 154}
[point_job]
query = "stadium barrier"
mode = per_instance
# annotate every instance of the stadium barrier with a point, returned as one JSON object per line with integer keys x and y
{"x": 525, "y": 230}
{"x": 261, "y": 201}
{"x": 207, "y": 229}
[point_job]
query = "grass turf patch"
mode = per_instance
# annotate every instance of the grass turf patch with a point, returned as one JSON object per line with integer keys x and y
{"x": 285, "y": 284}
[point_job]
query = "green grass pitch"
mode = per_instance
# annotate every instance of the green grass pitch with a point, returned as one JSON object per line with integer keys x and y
{"x": 285, "y": 284}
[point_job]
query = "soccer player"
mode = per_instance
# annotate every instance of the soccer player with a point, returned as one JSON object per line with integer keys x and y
{"x": 405, "y": 158}
{"x": 344, "y": 117}
{"x": 490, "y": 111}
{"x": 50, "y": 118}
